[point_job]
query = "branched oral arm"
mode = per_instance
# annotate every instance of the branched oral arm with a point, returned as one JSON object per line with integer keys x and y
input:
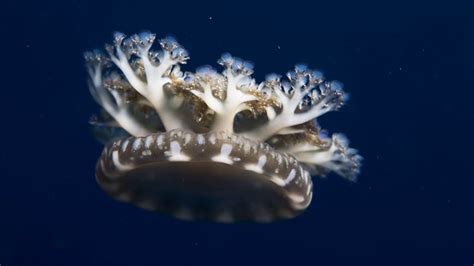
{"x": 153, "y": 88}
{"x": 288, "y": 117}
{"x": 212, "y": 102}
{"x": 235, "y": 102}
{"x": 167, "y": 112}
{"x": 121, "y": 61}
{"x": 235, "y": 78}
{"x": 325, "y": 154}
{"x": 113, "y": 103}
{"x": 339, "y": 158}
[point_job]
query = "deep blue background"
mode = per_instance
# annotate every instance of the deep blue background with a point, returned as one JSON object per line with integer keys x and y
{"x": 408, "y": 68}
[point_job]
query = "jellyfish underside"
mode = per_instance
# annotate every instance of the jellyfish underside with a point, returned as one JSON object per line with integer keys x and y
{"x": 204, "y": 177}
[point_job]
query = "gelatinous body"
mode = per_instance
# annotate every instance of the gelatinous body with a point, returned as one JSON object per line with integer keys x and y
{"x": 208, "y": 145}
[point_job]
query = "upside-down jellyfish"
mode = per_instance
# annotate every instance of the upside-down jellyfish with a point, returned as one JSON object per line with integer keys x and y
{"x": 211, "y": 145}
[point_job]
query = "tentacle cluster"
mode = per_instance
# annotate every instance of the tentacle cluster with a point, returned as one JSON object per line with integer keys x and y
{"x": 113, "y": 93}
{"x": 226, "y": 94}
{"x": 148, "y": 71}
{"x": 320, "y": 153}
{"x": 136, "y": 84}
{"x": 302, "y": 98}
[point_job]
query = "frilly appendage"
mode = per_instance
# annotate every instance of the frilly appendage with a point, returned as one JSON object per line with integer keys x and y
{"x": 145, "y": 91}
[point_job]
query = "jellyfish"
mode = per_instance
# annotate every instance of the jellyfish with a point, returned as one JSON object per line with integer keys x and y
{"x": 211, "y": 145}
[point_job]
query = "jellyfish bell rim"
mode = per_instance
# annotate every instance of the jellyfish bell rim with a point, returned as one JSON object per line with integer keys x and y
{"x": 217, "y": 177}
{"x": 256, "y": 212}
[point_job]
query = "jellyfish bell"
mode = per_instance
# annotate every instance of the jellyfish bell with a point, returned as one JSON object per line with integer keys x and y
{"x": 212, "y": 145}
{"x": 213, "y": 176}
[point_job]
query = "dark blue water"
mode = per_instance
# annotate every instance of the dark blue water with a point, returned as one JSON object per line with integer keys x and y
{"x": 408, "y": 68}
